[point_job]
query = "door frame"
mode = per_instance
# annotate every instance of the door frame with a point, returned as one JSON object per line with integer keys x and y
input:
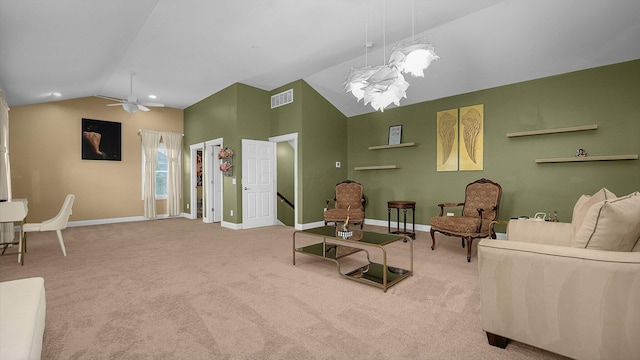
{"x": 193, "y": 205}
{"x": 214, "y": 178}
{"x": 208, "y": 166}
{"x": 292, "y": 139}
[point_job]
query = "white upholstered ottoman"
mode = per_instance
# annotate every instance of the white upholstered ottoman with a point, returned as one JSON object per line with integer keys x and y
{"x": 22, "y": 317}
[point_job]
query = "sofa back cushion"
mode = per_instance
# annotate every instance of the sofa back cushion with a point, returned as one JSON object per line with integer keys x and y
{"x": 583, "y": 204}
{"x": 611, "y": 225}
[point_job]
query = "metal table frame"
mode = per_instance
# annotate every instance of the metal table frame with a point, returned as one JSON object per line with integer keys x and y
{"x": 379, "y": 275}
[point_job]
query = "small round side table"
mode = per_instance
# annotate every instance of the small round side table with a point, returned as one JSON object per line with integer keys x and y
{"x": 404, "y": 205}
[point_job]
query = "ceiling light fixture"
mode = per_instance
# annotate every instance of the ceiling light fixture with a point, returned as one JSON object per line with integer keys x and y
{"x": 358, "y": 79}
{"x": 386, "y": 86}
{"x": 383, "y": 85}
{"x": 413, "y": 57}
{"x": 130, "y": 107}
{"x": 56, "y": 94}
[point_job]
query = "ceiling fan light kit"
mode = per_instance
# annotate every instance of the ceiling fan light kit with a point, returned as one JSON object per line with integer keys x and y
{"x": 131, "y": 104}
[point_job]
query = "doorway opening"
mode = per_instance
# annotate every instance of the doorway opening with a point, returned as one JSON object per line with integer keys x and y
{"x": 206, "y": 182}
{"x": 287, "y": 179}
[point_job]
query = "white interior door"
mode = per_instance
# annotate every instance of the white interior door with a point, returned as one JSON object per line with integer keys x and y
{"x": 214, "y": 195}
{"x": 212, "y": 183}
{"x": 258, "y": 183}
{"x": 193, "y": 205}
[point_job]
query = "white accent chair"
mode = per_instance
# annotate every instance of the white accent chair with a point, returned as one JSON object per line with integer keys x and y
{"x": 58, "y": 223}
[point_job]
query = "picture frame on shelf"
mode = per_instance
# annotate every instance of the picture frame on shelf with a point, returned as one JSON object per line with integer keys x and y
{"x": 395, "y": 134}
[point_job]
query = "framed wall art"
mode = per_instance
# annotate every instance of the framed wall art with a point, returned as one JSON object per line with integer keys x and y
{"x": 101, "y": 140}
{"x": 447, "y": 140}
{"x": 472, "y": 136}
{"x": 395, "y": 134}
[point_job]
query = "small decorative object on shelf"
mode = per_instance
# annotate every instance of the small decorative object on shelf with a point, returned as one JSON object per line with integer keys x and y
{"x": 226, "y": 161}
{"x": 581, "y": 153}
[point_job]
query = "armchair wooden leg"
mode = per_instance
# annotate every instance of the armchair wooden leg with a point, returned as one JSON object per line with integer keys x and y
{"x": 469, "y": 242}
{"x": 433, "y": 239}
{"x": 497, "y": 340}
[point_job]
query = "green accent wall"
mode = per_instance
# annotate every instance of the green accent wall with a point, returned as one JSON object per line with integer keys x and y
{"x": 322, "y": 140}
{"x": 607, "y": 96}
{"x": 234, "y": 113}
{"x": 243, "y": 112}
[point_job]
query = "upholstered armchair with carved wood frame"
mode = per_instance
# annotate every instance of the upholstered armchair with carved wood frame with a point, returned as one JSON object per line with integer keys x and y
{"x": 348, "y": 201}
{"x": 479, "y": 209}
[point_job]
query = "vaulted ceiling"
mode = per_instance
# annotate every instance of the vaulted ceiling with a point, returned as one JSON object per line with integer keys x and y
{"x": 185, "y": 50}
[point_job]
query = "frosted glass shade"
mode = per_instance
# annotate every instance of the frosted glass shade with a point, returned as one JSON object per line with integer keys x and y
{"x": 413, "y": 58}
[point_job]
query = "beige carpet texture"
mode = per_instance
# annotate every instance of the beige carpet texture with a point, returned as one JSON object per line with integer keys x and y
{"x": 183, "y": 289}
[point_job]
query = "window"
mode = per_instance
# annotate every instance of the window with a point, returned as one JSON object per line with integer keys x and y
{"x": 162, "y": 171}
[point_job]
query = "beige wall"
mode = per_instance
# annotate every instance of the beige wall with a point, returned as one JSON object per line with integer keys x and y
{"x": 45, "y": 150}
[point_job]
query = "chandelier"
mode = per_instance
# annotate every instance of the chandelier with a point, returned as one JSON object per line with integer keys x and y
{"x": 413, "y": 58}
{"x": 383, "y": 85}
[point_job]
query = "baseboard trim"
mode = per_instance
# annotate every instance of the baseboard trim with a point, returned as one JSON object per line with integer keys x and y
{"x": 116, "y": 220}
{"x": 234, "y": 226}
{"x": 230, "y": 225}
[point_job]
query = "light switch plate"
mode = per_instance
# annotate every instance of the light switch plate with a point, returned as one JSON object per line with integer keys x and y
{"x": 337, "y": 164}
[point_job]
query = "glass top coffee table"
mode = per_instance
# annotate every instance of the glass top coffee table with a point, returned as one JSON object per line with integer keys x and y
{"x": 331, "y": 243}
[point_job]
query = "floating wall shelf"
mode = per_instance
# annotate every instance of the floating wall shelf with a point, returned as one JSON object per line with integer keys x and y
{"x": 391, "y": 146}
{"x": 379, "y": 167}
{"x": 588, "y": 158}
{"x": 553, "y": 131}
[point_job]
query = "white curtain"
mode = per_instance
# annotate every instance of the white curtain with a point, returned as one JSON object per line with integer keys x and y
{"x": 150, "y": 141}
{"x": 6, "y": 229}
{"x": 173, "y": 144}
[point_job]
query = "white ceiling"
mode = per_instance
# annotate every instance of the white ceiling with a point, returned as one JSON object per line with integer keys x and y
{"x": 185, "y": 50}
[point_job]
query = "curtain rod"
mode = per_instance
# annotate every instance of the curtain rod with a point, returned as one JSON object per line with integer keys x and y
{"x": 157, "y": 132}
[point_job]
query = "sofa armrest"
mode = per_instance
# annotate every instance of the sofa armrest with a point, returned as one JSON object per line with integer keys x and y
{"x": 540, "y": 232}
{"x": 580, "y": 303}
{"x": 22, "y": 314}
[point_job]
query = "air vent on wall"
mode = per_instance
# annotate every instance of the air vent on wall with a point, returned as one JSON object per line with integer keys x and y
{"x": 283, "y": 98}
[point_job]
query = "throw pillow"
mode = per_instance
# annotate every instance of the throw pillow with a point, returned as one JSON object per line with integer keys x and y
{"x": 582, "y": 206}
{"x": 611, "y": 225}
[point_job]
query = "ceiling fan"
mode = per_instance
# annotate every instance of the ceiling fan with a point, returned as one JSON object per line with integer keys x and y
{"x": 131, "y": 103}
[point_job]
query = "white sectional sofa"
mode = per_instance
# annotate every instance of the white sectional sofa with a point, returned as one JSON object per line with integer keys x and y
{"x": 22, "y": 318}
{"x": 569, "y": 288}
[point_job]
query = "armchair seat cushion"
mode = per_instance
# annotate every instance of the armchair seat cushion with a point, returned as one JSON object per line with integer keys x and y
{"x": 460, "y": 225}
{"x": 340, "y": 215}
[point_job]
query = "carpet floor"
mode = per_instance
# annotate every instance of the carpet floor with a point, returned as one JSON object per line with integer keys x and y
{"x": 183, "y": 289}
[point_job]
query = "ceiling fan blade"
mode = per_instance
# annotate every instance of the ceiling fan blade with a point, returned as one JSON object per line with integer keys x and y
{"x": 114, "y": 104}
{"x": 152, "y": 104}
{"x": 143, "y": 108}
{"x": 108, "y": 98}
